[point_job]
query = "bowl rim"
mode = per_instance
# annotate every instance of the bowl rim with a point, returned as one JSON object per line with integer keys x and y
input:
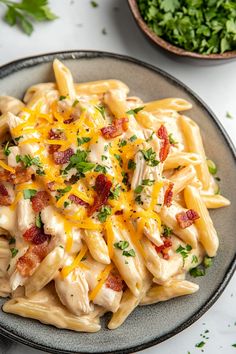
{"x": 171, "y": 48}
{"x": 31, "y": 61}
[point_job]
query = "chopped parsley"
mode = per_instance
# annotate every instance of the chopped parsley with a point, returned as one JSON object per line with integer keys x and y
{"x": 83, "y": 140}
{"x": 6, "y": 149}
{"x": 115, "y": 193}
{"x": 14, "y": 252}
{"x": 104, "y": 212}
{"x": 101, "y": 110}
{"x": 118, "y": 157}
{"x": 129, "y": 253}
{"x": 234, "y": 345}
{"x": 121, "y": 245}
{"x": 63, "y": 191}
{"x": 104, "y": 157}
{"x": 18, "y": 138}
{"x": 38, "y": 221}
{"x": 29, "y": 193}
{"x": 133, "y": 138}
{"x": 61, "y": 98}
{"x": 11, "y": 240}
{"x": 80, "y": 163}
{"x": 207, "y": 262}
{"x": 94, "y": 3}
{"x": 184, "y": 251}
{"x": 125, "y": 179}
{"x": 122, "y": 143}
{"x": 139, "y": 200}
{"x": 167, "y": 231}
{"x": 131, "y": 165}
{"x": 211, "y": 167}
{"x": 150, "y": 137}
{"x": 194, "y": 259}
{"x": 197, "y": 272}
{"x": 200, "y": 345}
{"x": 150, "y": 156}
{"x": 135, "y": 110}
{"x": 66, "y": 204}
{"x": 172, "y": 140}
{"x": 138, "y": 189}
{"x": 205, "y": 27}
{"x": 229, "y": 115}
{"x": 100, "y": 168}
{"x": 28, "y": 161}
{"x": 148, "y": 182}
{"x": 75, "y": 103}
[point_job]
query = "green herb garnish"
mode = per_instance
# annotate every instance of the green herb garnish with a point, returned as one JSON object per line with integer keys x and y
{"x": 207, "y": 262}
{"x": 167, "y": 231}
{"x": 122, "y": 143}
{"x": 11, "y": 240}
{"x": 184, "y": 251}
{"x": 115, "y": 193}
{"x": 75, "y": 103}
{"x": 29, "y": 193}
{"x": 133, "y": 138}
{"x": 130, "y": 253}
{"x": 28, "y": 161}
{"x": 148, "y": 182}
{"x": 100, "y": 168}
{"x": 94, "y": 3}
{"x": 172, "y": 140}
{"x": 121, "y": 245}
{"x": 205, "y": 27}
{"x": 104, "y": 212}
{"x": 197, "y": 272}
{"x": 150, "y": 156}
{"x": 211, "y": 167}
{"x": 200, "y": 345}
{"x": 6, "y": 149}
{"x": 101, "y": 110}
{"x": 138, "y": 189}
{"x": 131, "y": 165}
{"x": 83, "y": 140}
{"x": 194, "y": 259}
{"x": 61, "y": 98}
{"x": 14, "y": 252}
{"x": 21, "y": 13}
{"x": 135, "y": 110}
{"x": 38, "y": 221}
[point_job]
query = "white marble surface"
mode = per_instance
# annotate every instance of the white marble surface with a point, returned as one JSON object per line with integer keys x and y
{"x": 80, "y": 27}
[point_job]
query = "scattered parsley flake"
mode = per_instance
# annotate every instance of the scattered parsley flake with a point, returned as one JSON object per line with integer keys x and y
{"x": 121, "y": 245}
{"x": 131, "y": 165}
{"x": 148, "y": 182}
{"x": 167, "y": 231}
{"x": 138, "y": 189}
{"x": 200, "y": 345}
{"x": 66, "y": 204}
{"x": 150, "y": 137}
{"x": 135, "y": 110}
{"x": 197, "y": 272}
{"x": 234, "y": 345}
{"x": 194, "y": 259}
{"x": 100, "y": 168}
{"x": 11, "y": 240}
{"x": 38, "y": 221}
{"x": 14, "y": 252}
{"x": 104, "y": 212}
{"x": 184, "y": 251}
{"x": 6, "y": 149}
{"x": 94, "y": 3}
{"x": 211, "y": 167}
{"x": 229, "y": 115}
{"x": 122, "y": 143}
{"x": 83, "y": 140}
{"x": 115, "y": 193}
{"x": 133, "y": 138}
{"x": 207, "y": 262}
{"x": 29, "y": 193}
{"x": 101, "y": 110}
{"x": 75, "y": 103}
{"x": 61, "y": 98}
{"x": 150, "y": 156}
{"x": 172, "y": 140}
{"x": 130, "y": 253}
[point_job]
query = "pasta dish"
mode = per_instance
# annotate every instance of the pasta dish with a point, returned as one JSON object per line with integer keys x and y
{"x": 104, "y": 202}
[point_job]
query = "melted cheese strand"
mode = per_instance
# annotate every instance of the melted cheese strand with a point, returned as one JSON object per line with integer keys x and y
{"x": 102, "y": 278}
{"x": 68, "y": 269}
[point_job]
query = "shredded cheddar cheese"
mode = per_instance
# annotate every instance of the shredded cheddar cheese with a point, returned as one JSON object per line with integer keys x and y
{"x": 6, "y": 167}
{"x": 101, "y": 280}
{"x": 68, "y": 269}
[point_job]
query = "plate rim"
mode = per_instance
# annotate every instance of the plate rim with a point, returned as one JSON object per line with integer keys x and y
{"x": 30, "y": 61}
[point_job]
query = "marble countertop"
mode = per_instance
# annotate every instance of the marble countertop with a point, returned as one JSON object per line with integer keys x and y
{"x": 80, "y": 26}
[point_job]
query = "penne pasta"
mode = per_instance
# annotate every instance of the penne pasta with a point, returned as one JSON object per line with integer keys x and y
{"x": 214, "y": 201}
{"x": 175, "y": 104}
{"x": 64, "y": 79}
{"x": 182, "y": 178}
{"x": 182, "y": 159}
{"x": 207, "y": 233}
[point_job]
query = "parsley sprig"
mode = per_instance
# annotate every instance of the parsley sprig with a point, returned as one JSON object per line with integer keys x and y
{"x": 22, "y": 13}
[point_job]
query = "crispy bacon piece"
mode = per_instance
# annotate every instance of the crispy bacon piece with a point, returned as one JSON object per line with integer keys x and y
{"x": 54, "y": 135}
{"x": 168, "y": 195}
{"x": 27, "y": 264}
{"x": 114, "y": 282}
{"x": 119, "y": 212}
{"x": 165, "y": 148}
{"x": 74, "y": 199}
{"x": 40, "y": 201}
{"x": 5, "y": 198}
{"x": 117, "y": 128}
{"x": 51, "y": 186}
{"x": 186, "y": 219}
{"x": 61, "y": 157}
{"x": 21, "y": 175}
{"x": 164, "y": 249}
{"x": 35, "y": 235}
{"x": 102, "y": 188}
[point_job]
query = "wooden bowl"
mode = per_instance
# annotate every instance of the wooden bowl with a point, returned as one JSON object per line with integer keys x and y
{"x": 158, "y": 41}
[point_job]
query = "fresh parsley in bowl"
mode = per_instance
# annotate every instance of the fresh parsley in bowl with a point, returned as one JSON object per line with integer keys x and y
{"x": 195, "y": 28}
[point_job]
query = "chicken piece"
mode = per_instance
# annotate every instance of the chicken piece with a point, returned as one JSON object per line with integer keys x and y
{"x": 54, "y": 226}
{"x": 97, "y": 245}
{"x": 11, "y": 159}
{"x": 73, "y": 292}
{"x": 10, "y": 104}
{"x": 106, "y": 297}
{"x": 97, "y": 151}
{"x": 25, "y": 215}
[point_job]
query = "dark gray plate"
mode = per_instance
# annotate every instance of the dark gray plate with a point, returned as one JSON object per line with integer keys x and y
{"x": 152, "y": 324}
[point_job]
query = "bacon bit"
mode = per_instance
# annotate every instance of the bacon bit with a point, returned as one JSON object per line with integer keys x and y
{"x": 168, "y": 195}
{"x": 54, "y": 135}
{"x": 164, "y": 249}
{"x": 114, "y": 282}
{"x": 35, "y": 235}
{"x": 119, "y": 212}
{"x": 102, "y": 187}
{"x": 21, "y": 175}
{"x": 40, "y": 201}
{"x": 69, "y": 120}
{"x": 186, "y": 219}
{"x": 5, "y": 199}
{"x": 74, "y": 199}
{"x": 27, "y": 264}
{"x": 61, "y": 157}
{"x": 165, "y": 148}
{"x": 116, "y": 129}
